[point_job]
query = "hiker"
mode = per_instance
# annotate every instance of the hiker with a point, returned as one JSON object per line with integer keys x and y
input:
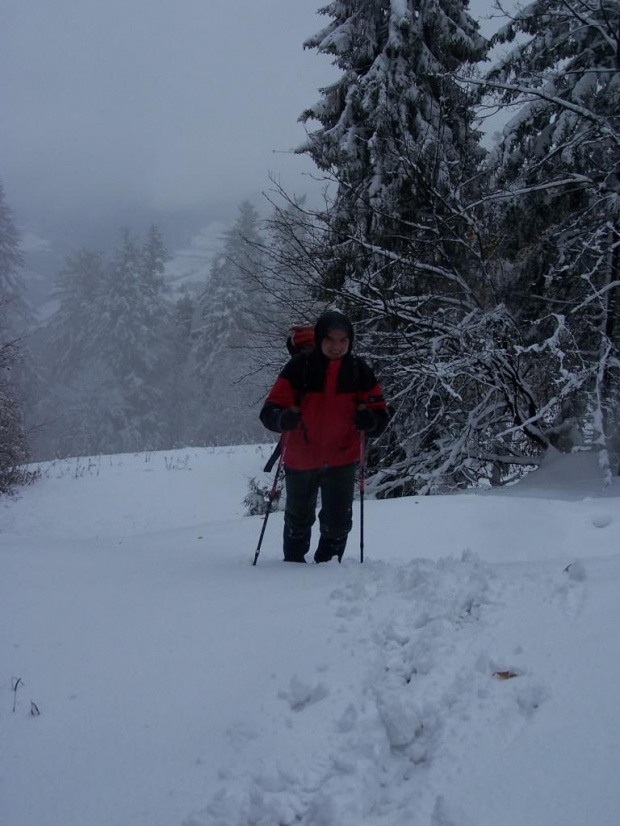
{"x": 320, "y": 402}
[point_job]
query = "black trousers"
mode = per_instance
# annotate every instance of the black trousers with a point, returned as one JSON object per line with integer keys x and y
{"x": 336, "y": 485}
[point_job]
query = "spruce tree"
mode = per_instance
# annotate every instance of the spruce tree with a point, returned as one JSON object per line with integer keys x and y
{"x": 406, "y": 245}
{"x": 232, "y": 311}
{"x": 133, "y": 342}
{"x": 77, "y": 289}
{"x": 181, "y": 402}
{"x": 559, "y": 178}
{"x": 13, "y": 447}
{"x": 395, "y": 133}
{"x": 12, "y": 293}
{"x": 154, "y": 258}
{"x": 111, "y": 346}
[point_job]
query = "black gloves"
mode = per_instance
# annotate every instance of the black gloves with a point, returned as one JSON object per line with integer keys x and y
{"x": 365, "y": 419}
{"x": 289, "y": 419}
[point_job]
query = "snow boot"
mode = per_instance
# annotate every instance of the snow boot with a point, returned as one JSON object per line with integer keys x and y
{"x": 296, "y": 546}
{"x": 329, "y": 548}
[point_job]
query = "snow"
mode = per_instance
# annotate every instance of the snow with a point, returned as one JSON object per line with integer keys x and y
{"x": 465, "y": 675}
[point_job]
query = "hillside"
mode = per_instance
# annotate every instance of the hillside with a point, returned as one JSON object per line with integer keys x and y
{"x": 465, "y": 675}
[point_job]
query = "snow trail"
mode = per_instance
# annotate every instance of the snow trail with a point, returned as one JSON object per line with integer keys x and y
{"x": 431, "y": 686}
{"x": 438, "y": 685}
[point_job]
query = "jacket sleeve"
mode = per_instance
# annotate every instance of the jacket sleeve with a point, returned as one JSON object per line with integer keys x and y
{"x": 280, "y": 397}
{"x": 371, "y": 395}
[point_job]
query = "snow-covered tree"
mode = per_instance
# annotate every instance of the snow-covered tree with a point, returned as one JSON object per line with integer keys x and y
{"x": 233, "y": 308}
{"x": 77, "y": 289}
{"x": 13, "y": 448}
{"x": 132, "y": 339}
{"x": 407, "y": 248}
{"x": 12, "y": 291}
{"x": 111, "y": 349}
{"x": 182, "y": 391}
{"x": 155, "y": 255}
{"x": 395, "y": 134}
{"x": 559, "y": 180}
{"x": 291, "y": 273}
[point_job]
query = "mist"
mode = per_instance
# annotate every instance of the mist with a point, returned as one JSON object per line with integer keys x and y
{"x": 116, "y": 113}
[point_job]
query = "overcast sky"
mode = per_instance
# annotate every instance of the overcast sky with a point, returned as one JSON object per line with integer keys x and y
{"x": 112, "y": 109}
{"x": 152, "y": 104}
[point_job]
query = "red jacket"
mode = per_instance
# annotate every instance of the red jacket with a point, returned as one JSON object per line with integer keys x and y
{"x": 327, "y": 393}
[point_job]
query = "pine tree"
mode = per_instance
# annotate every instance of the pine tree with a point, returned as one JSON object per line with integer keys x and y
{"x": 12, "y": 293}
{"x": 132, "y": 339}
{"x": 13, "y": 447}
{"x": 290, "y": 275}
{"x": 406, "y": 248}
{"x": 232, "y": 312}
{"x": 154, "y": 258}
{"x": 559, "y": 175}
{"x": 396, "y": 134}
{"x": 77, "y": 289}
{"x": 111, "y": 346}
{"x": 181, "y": 394}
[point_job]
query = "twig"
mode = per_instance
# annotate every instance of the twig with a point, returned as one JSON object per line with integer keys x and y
{"x": 16, "y": 681}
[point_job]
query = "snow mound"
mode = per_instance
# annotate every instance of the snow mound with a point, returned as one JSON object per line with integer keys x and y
{"x": 572, "y": 476}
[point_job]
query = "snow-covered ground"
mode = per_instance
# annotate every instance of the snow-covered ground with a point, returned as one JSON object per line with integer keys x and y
{"x": 150, "y": 676}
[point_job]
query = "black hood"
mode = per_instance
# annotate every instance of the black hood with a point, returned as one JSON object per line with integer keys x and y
{"x": 332, "y": 320}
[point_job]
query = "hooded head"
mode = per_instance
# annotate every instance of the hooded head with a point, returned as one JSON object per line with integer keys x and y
{"x": 332, "y": 320}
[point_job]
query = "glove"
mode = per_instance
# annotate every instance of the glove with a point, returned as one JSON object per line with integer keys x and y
{"x": 289, "y": 419}
{"x": 365, "y": 419}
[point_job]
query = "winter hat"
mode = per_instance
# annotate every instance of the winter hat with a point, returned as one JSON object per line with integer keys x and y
{"x": 332, "y": 320}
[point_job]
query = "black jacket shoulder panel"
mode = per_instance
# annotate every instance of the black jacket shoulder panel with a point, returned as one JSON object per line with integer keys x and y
{"x": 356, "y": 376}
{"x": 367, "y": 376}
{"x": 306, "y": 373}
{"x": 297, "y": 371}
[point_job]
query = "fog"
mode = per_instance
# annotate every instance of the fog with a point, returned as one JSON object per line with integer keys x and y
{"x": 127, "y": 112}
{"x": 115, "y": 110}
{"x": 122, "y": 113}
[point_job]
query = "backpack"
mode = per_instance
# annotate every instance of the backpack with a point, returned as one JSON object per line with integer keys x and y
{"x": 300, "y": 339}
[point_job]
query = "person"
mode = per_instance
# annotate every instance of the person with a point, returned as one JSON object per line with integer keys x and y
{"x": 320, "y": 402}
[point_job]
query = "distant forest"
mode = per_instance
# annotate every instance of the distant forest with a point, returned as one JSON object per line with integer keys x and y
{"x": 483, "y": 283}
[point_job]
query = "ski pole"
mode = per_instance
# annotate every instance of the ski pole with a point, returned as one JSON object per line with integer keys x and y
{"x": 272, "y": 495}
{"x": 362, "y": 488}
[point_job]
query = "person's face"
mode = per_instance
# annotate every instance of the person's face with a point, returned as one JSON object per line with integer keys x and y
{"x": 335, "y": 344}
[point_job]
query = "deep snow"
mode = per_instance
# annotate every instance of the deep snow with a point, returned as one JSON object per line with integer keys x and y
{"x": 177, "y": 685}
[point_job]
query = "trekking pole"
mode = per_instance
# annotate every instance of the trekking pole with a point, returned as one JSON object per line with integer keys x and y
{"x": 362, "y": 488}
{"x": 272, "y": 495}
